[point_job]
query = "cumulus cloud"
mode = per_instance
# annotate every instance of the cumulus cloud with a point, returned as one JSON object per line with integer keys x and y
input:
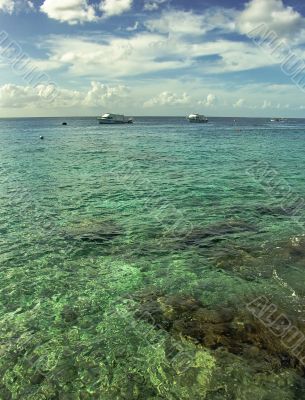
{"x": 283, "y": 20}
{"x": 14, "y": 96}
{"x": 168, "y": 99}
{"x": 286, "y": 22}
{"x": 79, "y": 11}
{"x": 210, "y": 101}
{"x": 101, "y": 94}
{"x": 71, "y": 11}
{"x": 7, "y": 6}
{"x": 98, "y": 95}
{"x": 115, "y": 7}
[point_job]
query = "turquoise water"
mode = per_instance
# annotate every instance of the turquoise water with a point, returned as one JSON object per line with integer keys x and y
{"x": 129, "y": 256}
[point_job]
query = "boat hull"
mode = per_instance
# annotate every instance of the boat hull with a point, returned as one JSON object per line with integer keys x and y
{"x": 104, "y": 122}
{"x": 198, "y": 122}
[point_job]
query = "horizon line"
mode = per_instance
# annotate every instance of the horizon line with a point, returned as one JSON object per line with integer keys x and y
{"x": 150, "y": 116}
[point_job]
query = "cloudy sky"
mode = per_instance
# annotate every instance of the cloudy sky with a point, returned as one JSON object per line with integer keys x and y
{"x": 152, "y": 57}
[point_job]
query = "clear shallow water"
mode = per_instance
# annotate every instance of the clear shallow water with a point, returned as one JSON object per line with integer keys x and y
{"x": 129, "y": 255}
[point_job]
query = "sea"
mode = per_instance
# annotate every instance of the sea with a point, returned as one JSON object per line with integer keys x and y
{"x": 158, "y": 260}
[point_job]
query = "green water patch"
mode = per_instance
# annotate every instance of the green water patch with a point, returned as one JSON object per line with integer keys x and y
{"x": 50, "y": 345}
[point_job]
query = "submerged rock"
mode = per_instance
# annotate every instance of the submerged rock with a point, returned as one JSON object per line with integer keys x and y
{"x": 69, "y": 314}
{"x": 234, "y": 258}
{"x": 277, "y": 211}
{"x": 94, "y": 232}
{"x": 225, "y": 329}
{"x": 286, "y": 257}
{"x": 209, "y": 235}
{"x": 294, "y": 248}
{"x": 248, "y": 263}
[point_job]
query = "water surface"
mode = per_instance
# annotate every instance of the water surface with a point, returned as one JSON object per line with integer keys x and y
{"x": 129, "y": 255}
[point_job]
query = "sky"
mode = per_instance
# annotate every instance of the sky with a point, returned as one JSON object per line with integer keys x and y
{"x": 152, "y": 57}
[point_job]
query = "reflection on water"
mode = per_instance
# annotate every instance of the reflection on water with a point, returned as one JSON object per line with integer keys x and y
{"x": 129, "y": 256}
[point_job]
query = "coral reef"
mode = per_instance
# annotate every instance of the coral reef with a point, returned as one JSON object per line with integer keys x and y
{"x": 235, "y": 331}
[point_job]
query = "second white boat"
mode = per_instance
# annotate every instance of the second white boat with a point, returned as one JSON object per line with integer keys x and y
{"x": 197, "y": 118}
{"x": 115, "y": 119}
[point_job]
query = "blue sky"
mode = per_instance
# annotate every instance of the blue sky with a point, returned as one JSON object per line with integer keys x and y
{"x": 152, "y": 57}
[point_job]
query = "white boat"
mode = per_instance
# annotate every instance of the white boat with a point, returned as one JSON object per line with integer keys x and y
{"x": 197, "y": 118}
{"x": 114, "y": 119}
{"x": 278, "y": 120}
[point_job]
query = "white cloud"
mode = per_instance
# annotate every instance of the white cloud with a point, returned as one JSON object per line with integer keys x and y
{"x": 79, "y": 11}
{"x": 115, "y": 7}
{"x": 210, "y": 101}
{"x": 239, "y": 104}
{"x": 15, "y": 6}
{"x": 152, "y": 5}
{"x": 134, "y": 27}
{"x": 7, "y": 6}
{"x": 145, "y": 53}
{"x": 168, "y": 99}
{"x": 177, "y": 22}
{"x": 31, "y": 5}
{"x": 283, "y": 20}
{"x": 286, "y": 22}
{"x": 266, "y": 104}
{"x": 14, "y": 96}
{"x": 116, "y": 57}
{"x": 71, "y": 11}
{"x": 172, "y": 43}
{"x": 233, "y": 56}
{"x": 98, "y": 95}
